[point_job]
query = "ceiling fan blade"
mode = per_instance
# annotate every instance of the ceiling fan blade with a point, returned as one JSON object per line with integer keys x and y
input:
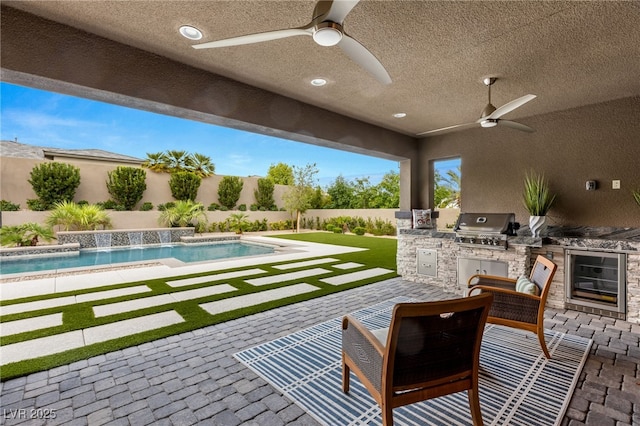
{"x": 360, "y": 55}
{"x": 510, "y": 106}
{"x": 448, "y": 129}
{"x": 515, "y": 125}
{"x": 255, "y": 38}
{"x": 337, "y": 11}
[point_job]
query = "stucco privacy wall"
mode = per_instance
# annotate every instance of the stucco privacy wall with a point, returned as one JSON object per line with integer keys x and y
{"x": 15, "y": 173}
{"x": 149, "y": 219}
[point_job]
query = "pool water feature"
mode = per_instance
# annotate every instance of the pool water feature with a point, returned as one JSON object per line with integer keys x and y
{"x": 187, "y": 253}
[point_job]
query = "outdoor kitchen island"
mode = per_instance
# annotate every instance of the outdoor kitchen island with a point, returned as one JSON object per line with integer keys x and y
{"x": 436, "y": 258}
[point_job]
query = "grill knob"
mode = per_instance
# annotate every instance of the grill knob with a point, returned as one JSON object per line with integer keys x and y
{"x": 472, "y": 240}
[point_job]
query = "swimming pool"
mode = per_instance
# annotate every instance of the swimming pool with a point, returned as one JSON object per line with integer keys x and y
{"x": 184, "y": 252}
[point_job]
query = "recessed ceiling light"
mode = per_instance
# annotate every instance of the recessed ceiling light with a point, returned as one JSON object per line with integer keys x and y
{"x": 400, "y": 114}
{"x": 192, "y": 33}
{"x": 318, "y": 82}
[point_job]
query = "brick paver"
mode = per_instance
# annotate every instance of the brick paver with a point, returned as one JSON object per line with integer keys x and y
{"x": 192, "y": 378}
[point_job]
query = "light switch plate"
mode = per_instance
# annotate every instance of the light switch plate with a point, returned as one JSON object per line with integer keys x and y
{"x": 615, "y": 184}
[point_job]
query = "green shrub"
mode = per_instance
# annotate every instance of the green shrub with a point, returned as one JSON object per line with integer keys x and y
{"x": 201, "y": 227}
{"x": 264, "y": 193}
{"x": 359, "y": 230}
{"x": 229, "y": 191}
{"x": 27, "y": 234}
{"x": 242, "y": 207}
{"x": 213, "y": 207}
{"x": 184, "y": 185}
{"x": 337, "y": 230}
{"x": 8, "y": 206}
{"x": 73, "y": 217}
{"x": 146, "y": 206}
{"x": 36, "y": 205}
{"x": 82, "y": 203}
{"x": 183, "y": 213}
{"x": 380, "y": 227}
{"x": 254, "y": 207}
{"x": 224, "y": 208}
{"x": 238, "y": 222}
{"x": 54, "y": 182}
{"x": 108, "y": 205}
{"x": 165, "y": 206}
{"x": 223, "y": 226}
{"x": 126, "y": 185}
{"x": 330, "y": 227}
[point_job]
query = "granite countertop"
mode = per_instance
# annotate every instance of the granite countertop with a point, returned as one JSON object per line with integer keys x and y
{"x": 580, "y": 237}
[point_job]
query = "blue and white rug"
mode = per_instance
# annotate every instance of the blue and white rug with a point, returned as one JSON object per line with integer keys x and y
{"x": 518, "y": 385}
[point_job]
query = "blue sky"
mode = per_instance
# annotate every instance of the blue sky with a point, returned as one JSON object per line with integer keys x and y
{"x": 53, "y": 120}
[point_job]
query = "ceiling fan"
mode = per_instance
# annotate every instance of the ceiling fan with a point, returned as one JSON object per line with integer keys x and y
{"x": 490, "y": 115}
{"x": 326, "y": 28}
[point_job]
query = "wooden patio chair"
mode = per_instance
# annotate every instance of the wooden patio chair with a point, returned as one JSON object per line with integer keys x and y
{"x": 430, "y": 349}
{"x": 514, "y": 308}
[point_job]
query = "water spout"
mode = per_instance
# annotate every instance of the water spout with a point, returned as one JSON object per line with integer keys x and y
{"x": 165, "y": 237}
{"x": 103, "y": 241}
{"x": 135, "y": 239}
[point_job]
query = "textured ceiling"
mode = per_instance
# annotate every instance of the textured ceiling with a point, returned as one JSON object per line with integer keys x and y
{"x": 569, "y": 54}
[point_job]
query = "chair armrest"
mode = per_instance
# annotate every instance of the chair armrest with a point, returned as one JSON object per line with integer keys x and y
{"x": 363, "y": 349}
{"x": 492, "y": 280}
{"x": 354, "y": 327}
{"x": 504, "y": 291}
{"x": 511, "y": 305}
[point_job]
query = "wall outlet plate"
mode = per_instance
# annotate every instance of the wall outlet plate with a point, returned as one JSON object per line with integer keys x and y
{"x": 615, "y": 184}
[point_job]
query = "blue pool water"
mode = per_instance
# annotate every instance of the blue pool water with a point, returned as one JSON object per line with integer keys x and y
{"x": 185, "y": 253}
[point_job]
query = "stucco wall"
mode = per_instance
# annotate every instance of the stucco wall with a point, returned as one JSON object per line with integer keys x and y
{"x": 597, "y": 142}
{"x": 14, "y": 186}
{"x": 149, "y": 219}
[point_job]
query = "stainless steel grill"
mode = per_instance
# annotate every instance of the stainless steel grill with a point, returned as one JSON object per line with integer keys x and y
{"x": 489, "y": 230}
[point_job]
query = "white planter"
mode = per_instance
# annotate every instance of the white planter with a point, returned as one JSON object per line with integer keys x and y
{"x": 537, "y": 224}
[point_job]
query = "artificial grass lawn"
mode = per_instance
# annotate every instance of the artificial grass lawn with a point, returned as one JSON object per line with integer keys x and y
{"x": 380, "y": 252}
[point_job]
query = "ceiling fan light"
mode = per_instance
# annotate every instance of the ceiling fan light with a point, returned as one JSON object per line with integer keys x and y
{"x": 327, "y": 34}
{"x": 488, "y": 123}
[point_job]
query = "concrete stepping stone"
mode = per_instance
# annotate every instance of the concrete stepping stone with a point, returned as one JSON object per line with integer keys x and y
{"x": 41, "y": 347}
{"x": 108, "y": 294}
{"x": 76, "y": 339}
{"x": 215, "y": 277}
{"x": 256, "y": 298}
{"x": 30, "y": 324}
{"x": 162, "y": 299}
{"x": 37, "y": 305}
{"x": 305, "y": 263}
{"x": 70, "y": 300}
{"x": 348, "y": 265}
{"x": 287, "y": 277}
{"x": 356, "y": 276}
{"x": 116, "y": 330}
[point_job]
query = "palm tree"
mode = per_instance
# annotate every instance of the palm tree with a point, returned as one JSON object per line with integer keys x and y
{"x": 71, "y": 216}
{"x": 177, "y": 161}
{"x": 27, "y": 234}
{"x": 156, "y": 162}
{"x": 238, "y": 222}
{"x": 183, "y": 213}
{"x": 201, "y": 165}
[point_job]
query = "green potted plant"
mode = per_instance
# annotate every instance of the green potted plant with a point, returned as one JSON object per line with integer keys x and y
{"x": 537, "y": 200}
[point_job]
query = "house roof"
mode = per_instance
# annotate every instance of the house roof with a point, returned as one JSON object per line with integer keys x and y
{"x": 17, "y": 149}
{"x": 568, "y": 53}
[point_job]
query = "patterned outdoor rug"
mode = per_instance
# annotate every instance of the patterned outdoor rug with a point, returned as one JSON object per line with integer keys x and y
{"x": 518, "y": 385}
